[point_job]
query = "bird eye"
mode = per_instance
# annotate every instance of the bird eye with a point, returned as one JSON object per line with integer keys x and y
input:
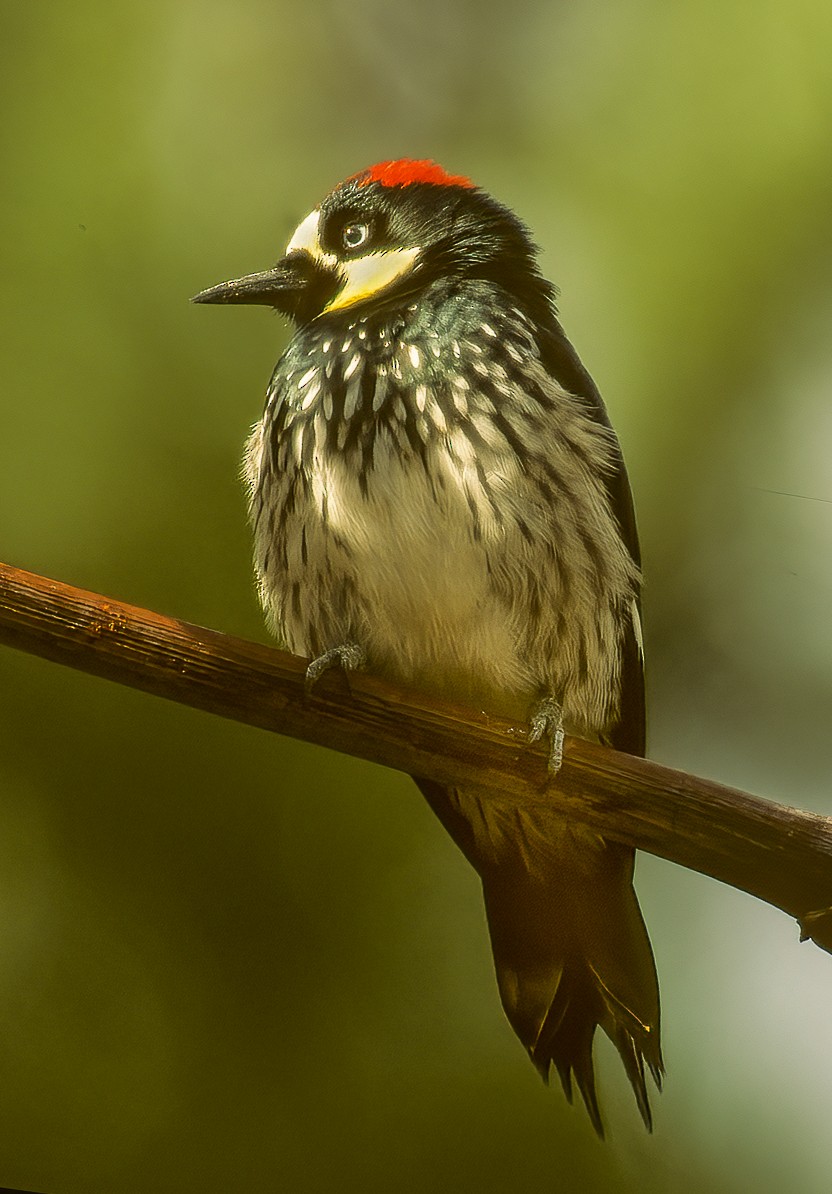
{"x": 354, "y": 236}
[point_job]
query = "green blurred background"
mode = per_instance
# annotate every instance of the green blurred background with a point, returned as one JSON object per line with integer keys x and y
{"x": 234, "y": 962}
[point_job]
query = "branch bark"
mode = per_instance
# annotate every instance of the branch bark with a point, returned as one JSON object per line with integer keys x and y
{"x": 781, "y": 855}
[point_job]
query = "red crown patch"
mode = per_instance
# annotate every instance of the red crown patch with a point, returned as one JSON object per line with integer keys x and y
{"x": 405, "y": 172}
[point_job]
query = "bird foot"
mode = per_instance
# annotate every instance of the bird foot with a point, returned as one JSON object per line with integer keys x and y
{"x": 547, "y": 722}
{"x": 348, "y": 656}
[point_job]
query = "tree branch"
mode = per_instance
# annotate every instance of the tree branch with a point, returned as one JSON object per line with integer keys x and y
{"x": 781, "y": 855}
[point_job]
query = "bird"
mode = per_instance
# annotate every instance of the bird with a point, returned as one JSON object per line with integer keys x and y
{"x": 436, "y": 494}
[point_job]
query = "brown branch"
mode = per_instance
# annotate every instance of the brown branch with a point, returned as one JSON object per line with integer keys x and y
{"x": 781, "y": 855}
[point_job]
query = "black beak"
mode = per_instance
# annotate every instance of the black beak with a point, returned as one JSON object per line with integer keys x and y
{"x": 297, "y": 286}
{"x": 270, "y": 286}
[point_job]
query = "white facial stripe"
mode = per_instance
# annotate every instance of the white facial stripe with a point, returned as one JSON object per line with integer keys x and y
{"x": 307, "y": 240}
{"x": 363, "y": 276}
{"x": 366, "y": 276}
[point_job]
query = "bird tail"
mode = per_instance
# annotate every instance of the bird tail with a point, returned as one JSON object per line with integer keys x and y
{"x": 570, "y": 946}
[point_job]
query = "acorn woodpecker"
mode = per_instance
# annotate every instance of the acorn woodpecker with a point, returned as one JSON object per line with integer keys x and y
{"x": 437, "y": 494}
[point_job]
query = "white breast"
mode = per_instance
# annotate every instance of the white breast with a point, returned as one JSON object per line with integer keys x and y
{"x": 433, "y": 617}
{"x": 424, "y": 610}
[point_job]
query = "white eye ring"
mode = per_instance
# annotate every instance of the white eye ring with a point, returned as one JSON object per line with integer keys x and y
{"x": 353, "y": 236}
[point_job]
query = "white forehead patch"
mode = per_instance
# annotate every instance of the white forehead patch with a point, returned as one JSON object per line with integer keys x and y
{"x": 305, "y": 236}
{"x": 306, "y": 239}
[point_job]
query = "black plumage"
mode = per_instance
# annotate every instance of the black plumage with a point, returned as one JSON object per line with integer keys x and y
{"x": 436, "y": 491}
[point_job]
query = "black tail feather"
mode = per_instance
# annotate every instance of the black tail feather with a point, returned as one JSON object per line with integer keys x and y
{"x": 570, "y": 947}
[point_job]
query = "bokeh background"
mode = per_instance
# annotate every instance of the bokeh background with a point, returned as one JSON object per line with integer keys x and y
{"x": 234, "y": 962}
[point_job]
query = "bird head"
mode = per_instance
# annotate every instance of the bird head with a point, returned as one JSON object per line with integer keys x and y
{"x": 386, "y": 234}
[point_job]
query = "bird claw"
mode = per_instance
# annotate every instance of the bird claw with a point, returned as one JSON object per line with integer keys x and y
{"x": 547, "y": 722}
{"x": 348, "y": 656}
